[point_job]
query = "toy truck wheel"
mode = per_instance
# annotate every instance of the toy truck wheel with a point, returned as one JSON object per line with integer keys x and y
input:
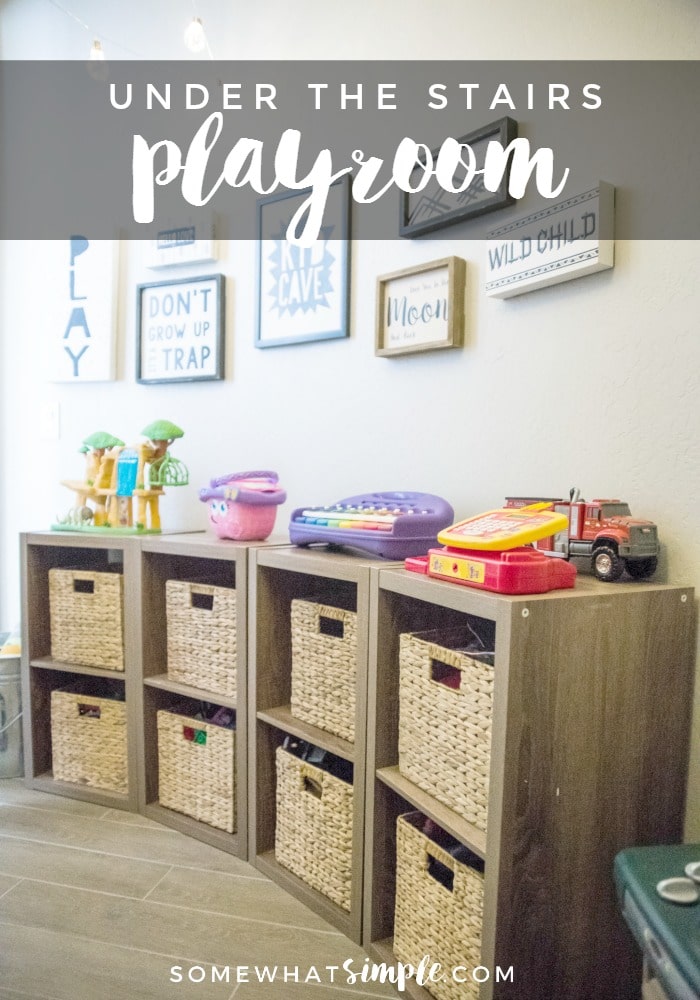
{"x": 640, "y": 569}
{"x": 607, "y": 565}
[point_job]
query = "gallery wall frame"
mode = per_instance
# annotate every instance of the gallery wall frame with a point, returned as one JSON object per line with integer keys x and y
{"x": 303, "y": 294}
{"x": 181, "y": 244}
{"x": 80, "y": 280}
{"x": 180, "y": 329}
{"x": 433, "y": 208}
{"x": 567, "y": 239}
{"x": 421, "y": 308}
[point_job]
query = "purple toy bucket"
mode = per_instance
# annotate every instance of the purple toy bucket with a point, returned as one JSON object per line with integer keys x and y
{"x": 243, "y": 505}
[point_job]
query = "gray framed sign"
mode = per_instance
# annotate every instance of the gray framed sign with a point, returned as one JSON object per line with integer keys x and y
{"x": 434, "y": 208}
{"x": 180, "y": 330}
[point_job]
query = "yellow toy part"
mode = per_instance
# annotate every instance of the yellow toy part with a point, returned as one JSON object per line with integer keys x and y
{"x": 505, "y": 528}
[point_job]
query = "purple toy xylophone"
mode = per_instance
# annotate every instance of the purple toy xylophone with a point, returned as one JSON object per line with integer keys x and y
{"x": 391, "y": 525}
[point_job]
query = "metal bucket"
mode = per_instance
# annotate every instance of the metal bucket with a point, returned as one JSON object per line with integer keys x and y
{"x": 11, "y": 756}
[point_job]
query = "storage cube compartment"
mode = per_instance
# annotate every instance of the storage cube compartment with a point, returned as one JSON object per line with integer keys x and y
{"x": 313, "y": 833}
{"x": 201, "y": 636}
{"x": 196, "y": 773}
{"x": 445, "y": 710}
{"x": 88, "y": 736}
{"x": 324, "y": 667}
{"x": 439, "y": 905}
{"x": 86, "y": 613}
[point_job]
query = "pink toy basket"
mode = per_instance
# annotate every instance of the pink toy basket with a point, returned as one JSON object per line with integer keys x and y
{"x": 243, "y": 505}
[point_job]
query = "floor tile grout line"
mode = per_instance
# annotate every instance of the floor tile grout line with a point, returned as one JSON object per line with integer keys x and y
{"x": 154, "y": 887}
{"x": 20, "y": 878}
{"x": 103, "y": 818}
{"x": 76, "y": 888}
{"x": 179, "y": 906}
{"x": 130, "y": 857}
{"x": 183, "y": 959}
{"x": 111, "y": 944}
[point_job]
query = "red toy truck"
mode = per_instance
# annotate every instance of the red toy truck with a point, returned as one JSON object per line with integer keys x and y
{"x": 604, "y": 530}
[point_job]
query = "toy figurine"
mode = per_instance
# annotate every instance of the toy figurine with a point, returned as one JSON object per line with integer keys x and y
{"x": 243, "y": 505}
{"x": 116, "y": 474}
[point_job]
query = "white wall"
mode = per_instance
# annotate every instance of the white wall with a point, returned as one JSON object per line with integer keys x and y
{"x": 593, "y": 383}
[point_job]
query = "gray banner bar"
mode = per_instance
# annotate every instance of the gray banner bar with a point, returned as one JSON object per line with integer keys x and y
{"x": 133, "y": 148}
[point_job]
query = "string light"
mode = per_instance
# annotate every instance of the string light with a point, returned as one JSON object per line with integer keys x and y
{"x": 195, "y": 39}
{"x": 97, "y": 51}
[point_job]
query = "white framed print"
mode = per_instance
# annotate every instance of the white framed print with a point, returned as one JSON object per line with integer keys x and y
{"x": 182, "y": 244}
{"x": 303, "y": 292}
{"x": 79, "y": 278}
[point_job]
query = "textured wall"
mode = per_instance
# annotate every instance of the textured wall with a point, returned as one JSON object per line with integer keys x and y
{"x": 592, "y": 383}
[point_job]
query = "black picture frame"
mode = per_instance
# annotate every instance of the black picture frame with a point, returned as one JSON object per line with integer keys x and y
{"x": 180, "y": 331}
{"x": 317, "y": 320}
{"x": 434, "y": 208}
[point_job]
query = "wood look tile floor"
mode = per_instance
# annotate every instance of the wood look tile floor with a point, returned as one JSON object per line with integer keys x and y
{"x": 98, "y": 904}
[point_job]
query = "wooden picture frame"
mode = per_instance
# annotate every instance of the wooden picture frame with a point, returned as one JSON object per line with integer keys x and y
{"x": 180, "y": 330}
{"x": 303, "y": 294}
{"x": 434, "y": 208}
{"x": 425, "y": 306}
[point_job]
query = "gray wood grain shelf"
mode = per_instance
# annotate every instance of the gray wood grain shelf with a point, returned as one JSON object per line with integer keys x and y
{"x": 278, "y": 576}
{"x": 589, "y": 752}
{"x": 42, "y": 673}
{"x": 590, "y": 734}
{"x": 196, "y": 557}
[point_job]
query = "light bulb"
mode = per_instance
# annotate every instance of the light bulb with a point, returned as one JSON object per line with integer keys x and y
{"x": 97, "y": 52}
{"x": 194, "y": 35}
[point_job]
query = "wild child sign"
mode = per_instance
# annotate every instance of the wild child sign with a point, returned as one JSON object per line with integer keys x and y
{"x": 568, "y": 239}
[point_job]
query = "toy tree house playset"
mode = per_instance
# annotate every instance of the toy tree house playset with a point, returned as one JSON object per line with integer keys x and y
{"x": 119, "y": 478}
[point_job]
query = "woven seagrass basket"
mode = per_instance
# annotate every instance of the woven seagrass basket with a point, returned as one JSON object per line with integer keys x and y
{"x": 324, "y": 664}
{"x": 201, "y": 628}
{"x": 196, "y": 769}
{"x": 86, "y": 612}
{"x": 313, "y": 835}
{"x": 88, "y": 737}
{"x": 439, "y": 906}
{"x": 445, "y": 709}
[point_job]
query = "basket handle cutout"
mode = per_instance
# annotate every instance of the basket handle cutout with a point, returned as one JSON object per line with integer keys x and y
{"x": 313, "y": 787}
{"x": 89, "y": 711}
{"x": 334, "y": 627}
{"x": 203, "y": 601}
{"x": 192, "y": 735}
{"x": 83, "y": 586}
{"x": 443, "y": 673}
{"x": 441, "y": 873}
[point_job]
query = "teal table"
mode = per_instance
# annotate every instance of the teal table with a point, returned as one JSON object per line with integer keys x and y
{"x": 667, "y": 933}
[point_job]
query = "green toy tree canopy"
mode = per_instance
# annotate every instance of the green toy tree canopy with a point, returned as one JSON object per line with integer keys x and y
{"x": 162, "y": 430}
{"x": 101, "y": 440}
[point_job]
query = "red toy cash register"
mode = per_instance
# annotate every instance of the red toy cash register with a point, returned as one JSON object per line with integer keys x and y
{"x": 492, "y": 551}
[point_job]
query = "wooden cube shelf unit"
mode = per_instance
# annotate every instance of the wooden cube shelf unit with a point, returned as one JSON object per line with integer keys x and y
{"x": 201, "y": 558}
{"x": 42, "y": 673}
{"x": 278, "y": 576}
{"x": 591, "y": 716}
